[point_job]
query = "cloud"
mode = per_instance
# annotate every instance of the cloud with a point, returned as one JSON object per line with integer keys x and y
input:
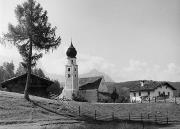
{"x": 9, "y": 53}
{"x": 137, "y": 70}
{"x": 56, "y": 61}
{"x": 89, "y": 62}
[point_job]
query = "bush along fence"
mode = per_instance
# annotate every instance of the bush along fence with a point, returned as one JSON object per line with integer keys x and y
{"x": 97, "y": 112}
{"x": 158, "y": 99}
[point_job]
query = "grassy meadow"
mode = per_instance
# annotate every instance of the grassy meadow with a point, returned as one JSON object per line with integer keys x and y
{"x": 41, "y": 113}
{"x": 152, "y": 112}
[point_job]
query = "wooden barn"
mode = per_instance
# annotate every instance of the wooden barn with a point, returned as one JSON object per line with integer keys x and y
{"x": 38, "y": 85}
{"x": 92, "y": 89}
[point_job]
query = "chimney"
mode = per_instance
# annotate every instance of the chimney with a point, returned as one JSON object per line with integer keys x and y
{"x": 142, "y": 83}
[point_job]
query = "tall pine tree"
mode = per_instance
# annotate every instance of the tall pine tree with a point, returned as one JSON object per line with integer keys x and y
{"x": 31, "y": 35}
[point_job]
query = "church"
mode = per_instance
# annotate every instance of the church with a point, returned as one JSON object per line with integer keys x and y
{"x": 91, "y": 89}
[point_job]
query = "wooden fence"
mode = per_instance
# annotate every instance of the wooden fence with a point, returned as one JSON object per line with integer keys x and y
{"x": 90, "y": 112}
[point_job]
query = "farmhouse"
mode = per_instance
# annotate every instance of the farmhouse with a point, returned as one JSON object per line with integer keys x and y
{"x": 152, "y": 89}
{"x": 90, "y": 89}
{"x": 38, "y": 85}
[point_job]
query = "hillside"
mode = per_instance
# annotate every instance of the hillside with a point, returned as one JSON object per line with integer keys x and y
{"x": 41, "y": 113}
{"x": 15, "y": 112}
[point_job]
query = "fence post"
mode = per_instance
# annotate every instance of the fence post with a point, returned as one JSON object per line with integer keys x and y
{"x": 155, "y": 118}
{"x": 141, "y": 117}
{"x": 143, "y": 125}
{"x": 167, "y": 118}
{"x": 95, "y": 115}
{"x": 112, "y": 115}
{"x": 149, "y": 99}
{"x": 129, "y": 116}
{"x": 79, "y": 111}
{"x": 155, "y": 99}
{"x": 148, "y": 115}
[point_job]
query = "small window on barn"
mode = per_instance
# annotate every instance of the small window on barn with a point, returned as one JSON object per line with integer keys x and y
{"x": 159, "y": 93}
{"x": 69, "y": 69}
{"x": 69, "y": 75}
{"x": 139, "y": 93}
{"x": 134, "y": 94}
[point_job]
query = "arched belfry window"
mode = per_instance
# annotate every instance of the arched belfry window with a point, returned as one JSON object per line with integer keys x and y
{"x": 69, "y": 69}
{"x": 69, "y": 75}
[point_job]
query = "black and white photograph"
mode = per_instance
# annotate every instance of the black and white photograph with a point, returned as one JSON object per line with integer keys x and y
{"x": 89, "y": 64}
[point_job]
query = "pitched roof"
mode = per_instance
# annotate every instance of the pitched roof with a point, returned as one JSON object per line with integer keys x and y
{"x": 89, "y": 83}
{"x": 83, "y": 81}
{"x": 4, "y": 83}
{"x": 150, "y": 86}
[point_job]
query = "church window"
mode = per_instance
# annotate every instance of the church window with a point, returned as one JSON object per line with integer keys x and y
{"x": 168, "y": 93}
{"x": 72, "y": 61}
{"x": 159, "y": 93}
{"x": 69, "y": 75}
{"x": 68, "y": 69}
{"x": 134, "y": 94}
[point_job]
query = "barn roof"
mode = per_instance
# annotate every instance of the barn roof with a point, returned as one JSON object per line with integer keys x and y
{"x": 23, "y": 76}
{"x": 90, "y": 83}
{"x": 150, "y": 86}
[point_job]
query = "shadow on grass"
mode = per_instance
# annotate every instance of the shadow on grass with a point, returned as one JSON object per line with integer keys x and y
{"x": 104, "y": 125}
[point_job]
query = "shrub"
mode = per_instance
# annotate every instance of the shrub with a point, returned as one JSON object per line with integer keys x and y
{"x": 55, "y": 89}
{"x": 78, "y": 98}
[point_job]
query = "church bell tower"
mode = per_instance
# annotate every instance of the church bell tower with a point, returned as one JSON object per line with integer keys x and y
{"x": 71, "y": 74}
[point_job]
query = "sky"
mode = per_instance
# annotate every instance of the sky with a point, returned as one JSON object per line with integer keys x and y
{"x": 126, "y": 39}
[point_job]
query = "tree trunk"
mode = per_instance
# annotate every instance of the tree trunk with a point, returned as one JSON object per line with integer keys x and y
{"x": 26, "y": 90}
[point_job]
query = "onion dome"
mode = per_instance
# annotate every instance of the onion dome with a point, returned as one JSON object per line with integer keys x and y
{"x": 71, "y": 52}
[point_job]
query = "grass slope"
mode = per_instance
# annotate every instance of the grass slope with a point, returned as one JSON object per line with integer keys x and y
{"x": 15, "y": 111}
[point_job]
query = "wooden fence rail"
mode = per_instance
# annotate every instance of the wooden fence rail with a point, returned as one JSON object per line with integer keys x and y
{"x": 97, "y": 113}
